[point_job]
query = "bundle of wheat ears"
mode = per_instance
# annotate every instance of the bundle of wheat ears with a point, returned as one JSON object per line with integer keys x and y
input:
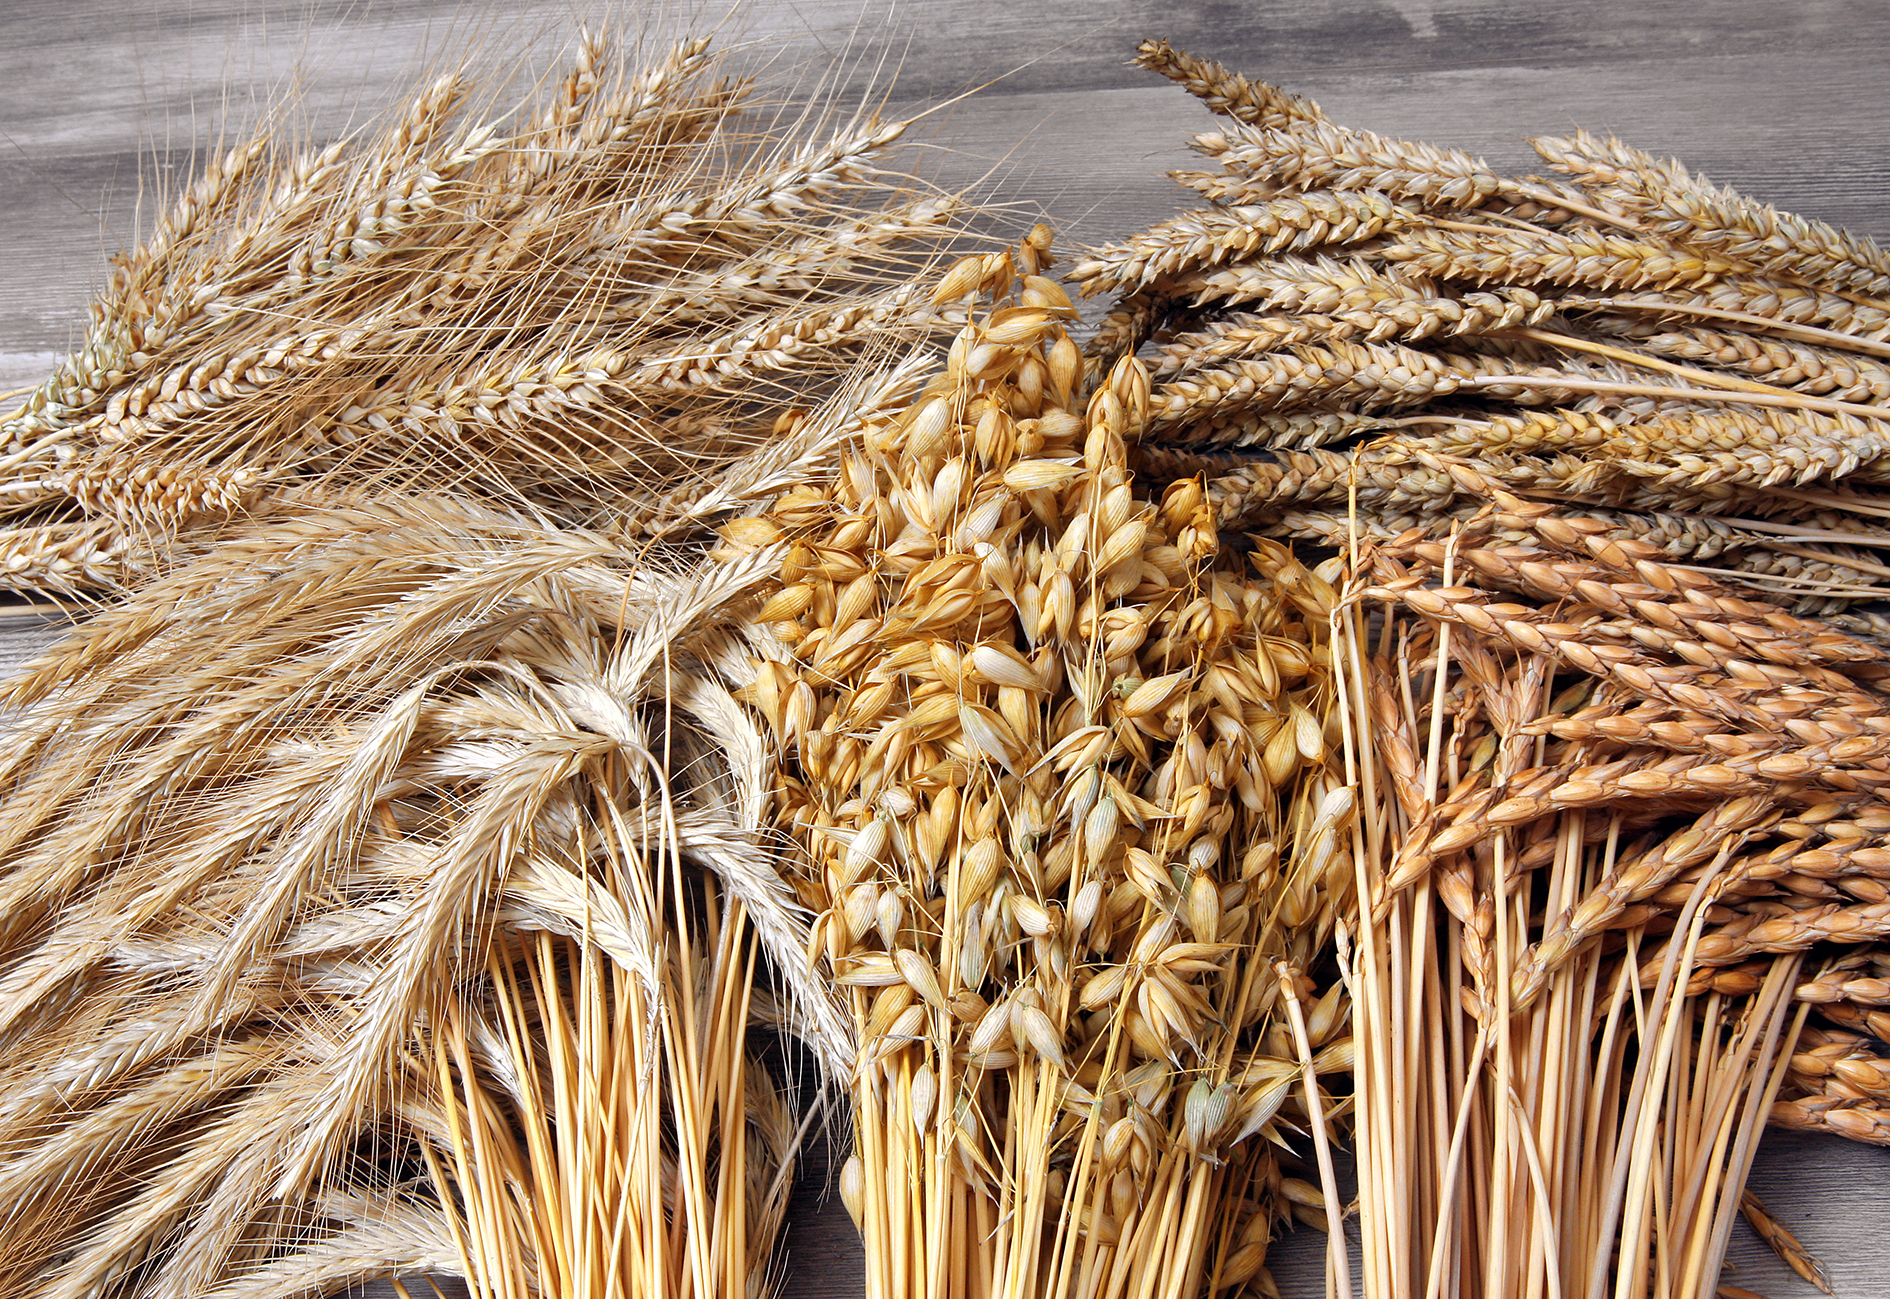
{"x": 590, "y": 611}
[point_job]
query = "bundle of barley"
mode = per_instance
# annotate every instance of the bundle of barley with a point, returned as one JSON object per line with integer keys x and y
{"x": 592, "y": 310}
{"x": 1620, "y": 805}
{"x": 383, "y": 894}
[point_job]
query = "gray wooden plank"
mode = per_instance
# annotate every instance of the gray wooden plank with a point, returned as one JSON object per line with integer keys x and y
{"x": 23, "y": 636}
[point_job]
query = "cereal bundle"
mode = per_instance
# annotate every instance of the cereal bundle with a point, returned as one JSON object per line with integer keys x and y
{"x": 1069, "y": 792}
{"x": 608, "y": 640}
{"x": 1602, "y": 453}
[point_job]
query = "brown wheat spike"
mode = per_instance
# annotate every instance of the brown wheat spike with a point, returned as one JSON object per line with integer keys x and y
{"x": 1319, "y": 284}
{"x": 1709, "y": 217}
{"x": 1385, "y": 481}
{"x": 1591, "y": 259}
{"x": 1374, "y": 376}
{"x": 1125, "y": 328}
{"x": 1242, "y": 334}
{"x": 1228, "y": 93}
{"x": 1838, "y": 1116}
{"x": 1324, "y": 155}
{"x": 1289, "y": 430}
{"x": 1202, "y": 239}
{"x": 1824, "y": 372}
{"x": 1792, "y": 303}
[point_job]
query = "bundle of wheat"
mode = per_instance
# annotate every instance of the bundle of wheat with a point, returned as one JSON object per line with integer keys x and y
{"x": 1661, "y": 354}
{"x": 592, "y": 310}
{"x": 1602, "y": 1055}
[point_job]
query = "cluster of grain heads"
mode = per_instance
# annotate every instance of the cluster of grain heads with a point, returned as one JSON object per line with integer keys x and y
{"x": 389, "y": 882}
{"x": 1066, "y": 779}
{"x": 385, "y": 892}
{"x": 580, "y": 309}
{"x": 1630, "y": 850}
{"x": 1622, "y": 810}
{"x": 1633, "y": 342}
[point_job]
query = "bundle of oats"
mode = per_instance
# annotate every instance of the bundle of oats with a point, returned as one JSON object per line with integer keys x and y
{"x": 1069, "y": 786}
{"x": 1603, "y": 456}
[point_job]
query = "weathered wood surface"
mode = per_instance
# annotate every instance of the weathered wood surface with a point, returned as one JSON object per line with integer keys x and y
{"x": 101, "y": 101}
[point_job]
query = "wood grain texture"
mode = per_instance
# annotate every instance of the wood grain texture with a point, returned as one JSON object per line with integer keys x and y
{"x": 103, "y": 104}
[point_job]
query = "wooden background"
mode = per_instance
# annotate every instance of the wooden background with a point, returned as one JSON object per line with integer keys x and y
{"x": 103, "y": 103}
